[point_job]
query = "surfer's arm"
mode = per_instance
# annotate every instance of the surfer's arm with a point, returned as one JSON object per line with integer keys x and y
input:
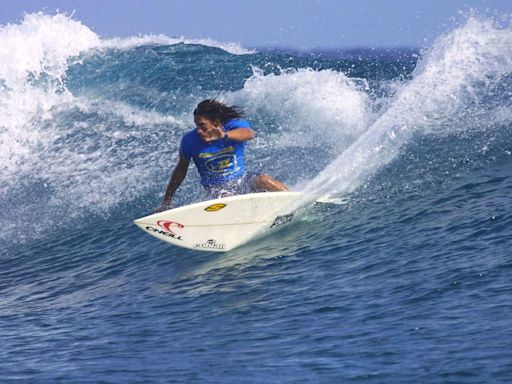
{"x": 239, "y": 134}
{"x": 177, "y": 178}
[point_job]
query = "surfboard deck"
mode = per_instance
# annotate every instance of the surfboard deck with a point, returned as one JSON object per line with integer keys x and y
{"x": 223, "y": 224}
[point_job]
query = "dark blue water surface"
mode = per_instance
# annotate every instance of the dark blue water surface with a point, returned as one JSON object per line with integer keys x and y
{"x": 408, "y": 280}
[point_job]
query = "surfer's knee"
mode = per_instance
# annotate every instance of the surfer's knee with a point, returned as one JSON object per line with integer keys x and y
{"x": 265, "y": 183}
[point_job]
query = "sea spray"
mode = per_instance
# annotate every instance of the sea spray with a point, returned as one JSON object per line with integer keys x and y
{"x": 151, "y": 40}
{"x": 33, "y": 63}
{"x": 316, "y": 106}
{"x": 446, "y": 91}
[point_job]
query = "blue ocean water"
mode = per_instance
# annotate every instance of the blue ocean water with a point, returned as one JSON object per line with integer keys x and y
{"x": 408, "y": 281}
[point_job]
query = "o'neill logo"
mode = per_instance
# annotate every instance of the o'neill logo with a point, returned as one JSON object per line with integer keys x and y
{"x": 167, "y": 225}
{"x": 168, "y": 228}
{"x": 210, "y": 244}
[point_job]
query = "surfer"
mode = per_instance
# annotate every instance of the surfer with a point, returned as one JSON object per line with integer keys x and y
{"x": 217, "y": 146}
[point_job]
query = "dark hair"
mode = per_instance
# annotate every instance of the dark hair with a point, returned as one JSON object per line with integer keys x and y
{"x": 213, "y": 110}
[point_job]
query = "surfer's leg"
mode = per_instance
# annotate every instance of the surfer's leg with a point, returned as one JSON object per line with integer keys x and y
{"x": 265, "y": 183}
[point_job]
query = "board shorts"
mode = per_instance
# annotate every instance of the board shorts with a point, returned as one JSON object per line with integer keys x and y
{"x": 241, "y": 186}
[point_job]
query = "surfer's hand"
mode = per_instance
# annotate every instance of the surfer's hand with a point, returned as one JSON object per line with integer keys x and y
{"x": 216, "y": 133}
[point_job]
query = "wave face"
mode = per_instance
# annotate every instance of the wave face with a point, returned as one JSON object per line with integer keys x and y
{"x": 408, "y": 280}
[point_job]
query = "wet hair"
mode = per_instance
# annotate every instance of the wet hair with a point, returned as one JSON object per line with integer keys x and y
{"x": 213, "y": 110}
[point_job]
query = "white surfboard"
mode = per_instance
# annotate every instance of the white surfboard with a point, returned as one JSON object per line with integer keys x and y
{"x": 222, "y": 224}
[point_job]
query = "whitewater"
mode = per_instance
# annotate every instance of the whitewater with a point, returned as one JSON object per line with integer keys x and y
{"x": 408, "y": 280}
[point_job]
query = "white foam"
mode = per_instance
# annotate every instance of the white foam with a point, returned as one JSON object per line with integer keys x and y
{"x": 137, "y": 41}
{"x": 41, "y": 44}
{"x": 308, "y": 105}
{"x": 446, "y": 92}
{"x": 128, "y": 114}
{"x": 34, "y": 52}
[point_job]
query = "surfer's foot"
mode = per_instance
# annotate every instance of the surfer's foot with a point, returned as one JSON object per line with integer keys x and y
{"x": 265, "y": 183}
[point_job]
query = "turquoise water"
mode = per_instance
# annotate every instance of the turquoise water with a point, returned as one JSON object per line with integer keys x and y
{"x": 409, "y": 280}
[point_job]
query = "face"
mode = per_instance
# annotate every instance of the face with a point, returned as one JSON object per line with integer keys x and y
{"x": 205, "y": 126}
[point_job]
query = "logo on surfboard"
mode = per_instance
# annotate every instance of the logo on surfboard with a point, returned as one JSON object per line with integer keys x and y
{"x": 210, "y": 244}
{"x": 215, "y": 207}
{"x": 166, "y": 225}
{"x": 281, "y": 220}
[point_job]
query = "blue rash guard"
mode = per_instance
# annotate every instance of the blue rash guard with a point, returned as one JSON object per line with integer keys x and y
{"x": 219, "y": 161}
